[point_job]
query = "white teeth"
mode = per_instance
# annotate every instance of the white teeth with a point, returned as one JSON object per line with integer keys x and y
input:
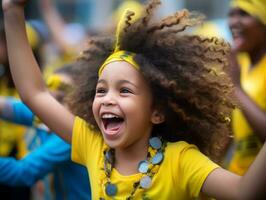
{"x": 108, "y": 116}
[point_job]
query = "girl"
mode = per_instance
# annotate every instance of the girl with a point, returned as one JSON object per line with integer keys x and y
{"x": 156, "y": 85}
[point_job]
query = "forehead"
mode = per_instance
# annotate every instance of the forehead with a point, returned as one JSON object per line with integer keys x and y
{"x": 121, "y": 70}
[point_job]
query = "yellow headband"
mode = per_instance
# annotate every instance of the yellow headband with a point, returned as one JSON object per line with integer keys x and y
{"x": 256, "y": 8}
{"x": 119, "y": 56}
{"x": 55, "y": 83}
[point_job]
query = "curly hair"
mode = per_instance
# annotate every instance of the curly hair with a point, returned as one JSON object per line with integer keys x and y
{"x": 185, "y": 73}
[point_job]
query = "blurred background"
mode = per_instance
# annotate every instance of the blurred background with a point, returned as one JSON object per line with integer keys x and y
{"x": 93, "y": 14}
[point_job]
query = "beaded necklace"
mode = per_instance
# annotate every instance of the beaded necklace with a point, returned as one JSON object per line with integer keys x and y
{"x": 148, "y": 168}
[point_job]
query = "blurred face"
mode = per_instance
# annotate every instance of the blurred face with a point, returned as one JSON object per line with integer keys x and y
{"x": 122, "y": 105}
{"x": 248, "y": 33}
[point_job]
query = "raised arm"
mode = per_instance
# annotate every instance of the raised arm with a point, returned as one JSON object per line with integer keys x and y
{"x": 255, "y": 116}
{"x": 224, "y": 185}
{"x": 27, "y": 76}
{"x": 36, "y": 165}
{"x": 55, "y": 23}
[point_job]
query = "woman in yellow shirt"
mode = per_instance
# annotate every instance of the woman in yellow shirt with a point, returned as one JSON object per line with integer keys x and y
{"x": 247, "y": 21}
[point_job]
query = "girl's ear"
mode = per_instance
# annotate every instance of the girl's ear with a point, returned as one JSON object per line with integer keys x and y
{"x": 157, "y": 117}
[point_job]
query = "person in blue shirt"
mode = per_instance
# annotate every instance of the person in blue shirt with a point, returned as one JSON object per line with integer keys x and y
{"x": 53, "y": 155}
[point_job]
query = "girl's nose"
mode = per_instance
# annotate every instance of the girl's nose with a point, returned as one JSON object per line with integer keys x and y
{"x": 108, "y": 100}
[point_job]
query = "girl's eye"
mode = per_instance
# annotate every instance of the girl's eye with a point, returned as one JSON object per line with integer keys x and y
{"x": 100, "y": 90}
{"x": 125, "y": 90}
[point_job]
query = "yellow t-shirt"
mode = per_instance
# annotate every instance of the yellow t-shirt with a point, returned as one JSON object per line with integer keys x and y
{"x": 180, "y": 176}
{"x": 247, "y": 143}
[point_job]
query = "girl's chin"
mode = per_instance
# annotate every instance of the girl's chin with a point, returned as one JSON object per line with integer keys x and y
{"x": 112, "y": 140}
{"x": 113, "y": 144}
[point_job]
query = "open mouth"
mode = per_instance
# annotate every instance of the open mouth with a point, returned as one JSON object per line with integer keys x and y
{"x": 112, "y": 123}
{"x": 237, "y": 32}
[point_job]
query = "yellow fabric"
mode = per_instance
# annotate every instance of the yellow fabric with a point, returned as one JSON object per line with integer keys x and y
{"x": 33, "y": 36}
{"x": 11, "y": 136}
{"x": 131, "y": 5}
{"x": 180, "y": 175}
{"x": 119, "y": 28}
{"x": 256, "y": 8}
{"x": 54, "y": 82}
{"x": 248, "y": 145}
{"x": 119, "y": 56}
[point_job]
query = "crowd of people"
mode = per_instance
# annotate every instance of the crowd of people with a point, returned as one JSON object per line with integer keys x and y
{"x": 148, "y": 110}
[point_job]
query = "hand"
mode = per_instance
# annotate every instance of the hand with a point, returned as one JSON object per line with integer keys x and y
{"x": 7, "y": 4}
{"x": 234, "y": 68}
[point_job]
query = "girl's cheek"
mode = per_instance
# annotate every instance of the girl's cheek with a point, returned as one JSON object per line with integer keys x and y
{"x": 95, "y": 108}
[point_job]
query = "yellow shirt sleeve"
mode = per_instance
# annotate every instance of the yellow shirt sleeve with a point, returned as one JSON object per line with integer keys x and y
{"x": 85, "y": 141}
{"x": 194, "y": 167}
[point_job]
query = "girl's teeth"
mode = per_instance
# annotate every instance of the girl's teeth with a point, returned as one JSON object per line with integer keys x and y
{"x": 106, "y": 116}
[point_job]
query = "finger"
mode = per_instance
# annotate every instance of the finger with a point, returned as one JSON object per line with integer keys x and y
{"x": 233, "y": 57}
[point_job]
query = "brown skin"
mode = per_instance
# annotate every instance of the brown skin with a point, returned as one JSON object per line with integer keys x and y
{"x": 249, "y": 36}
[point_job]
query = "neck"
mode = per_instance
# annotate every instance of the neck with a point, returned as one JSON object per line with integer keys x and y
{"x": 127, "y": 159}
{"x": 257, "y": 54}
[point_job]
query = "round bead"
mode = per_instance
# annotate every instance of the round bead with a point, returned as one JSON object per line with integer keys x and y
{"x": 157, "y": 159}
{"x": 145, "y": 182}
{"x": 155, "y": 142}
{"x": 109, "y": 156}
{"x": 111, "y": 189}
{"x": 143, "y": 166}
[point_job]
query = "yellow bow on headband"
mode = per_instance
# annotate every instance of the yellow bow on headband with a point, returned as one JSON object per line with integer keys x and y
{"x": 120, "y": 55}
{"x": 256, "y": 8}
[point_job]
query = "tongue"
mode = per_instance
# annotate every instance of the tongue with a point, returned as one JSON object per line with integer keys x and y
{"x": 113, "y": 126}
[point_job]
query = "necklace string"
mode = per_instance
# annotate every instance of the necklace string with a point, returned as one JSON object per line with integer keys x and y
{"x": 148, "y": 168}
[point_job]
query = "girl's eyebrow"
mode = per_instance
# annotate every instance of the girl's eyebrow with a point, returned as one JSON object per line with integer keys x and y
{"x": 127, "y": 81}
{"x": 119, "y": 82}
{"x": 101, "y": 81}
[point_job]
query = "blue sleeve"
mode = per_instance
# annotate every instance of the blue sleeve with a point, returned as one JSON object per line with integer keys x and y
{"x": 17, "y": 112}
{"x": 36, "y": 165}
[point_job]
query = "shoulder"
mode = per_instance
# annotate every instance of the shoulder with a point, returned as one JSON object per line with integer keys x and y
{"x": 87, "y": 143}
{"x": 184, "y": 154}
{"x": 180, "y": 147}
{"x": 81, "y": 125}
